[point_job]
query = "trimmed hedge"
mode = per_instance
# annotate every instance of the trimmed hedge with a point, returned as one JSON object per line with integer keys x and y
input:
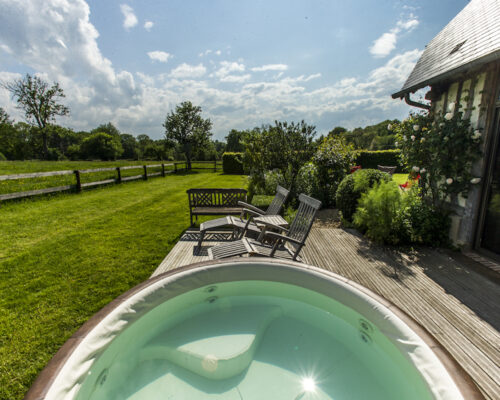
{"x": 232, "y": 163}
{"x": 372, "y": 159}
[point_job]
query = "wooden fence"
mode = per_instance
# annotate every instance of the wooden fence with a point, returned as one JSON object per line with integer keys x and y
{"x": 78, "y": 186}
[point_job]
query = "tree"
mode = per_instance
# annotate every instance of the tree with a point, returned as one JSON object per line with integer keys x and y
{"x": 130, "y": 148}
{"x": 4, "y": 117}
{"x": 108, "y": 128}
{"x": 186, "y": 127}
{"x": 101, "y": 145}
{"x": 284, "y": 146}
{"x": 337, "y": 131}
{"x": 235, "y": 140}
{"x": 39, "y": 102}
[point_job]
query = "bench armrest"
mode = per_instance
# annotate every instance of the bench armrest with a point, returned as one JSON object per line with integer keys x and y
{"x": 250, "y": 207}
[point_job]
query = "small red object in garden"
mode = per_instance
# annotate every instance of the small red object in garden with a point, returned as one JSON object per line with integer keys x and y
{"x": 409, "y": 183}
{"x": 355, "y": 168}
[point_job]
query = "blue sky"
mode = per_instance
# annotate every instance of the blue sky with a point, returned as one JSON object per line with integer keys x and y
{"x": 245, "y": 63}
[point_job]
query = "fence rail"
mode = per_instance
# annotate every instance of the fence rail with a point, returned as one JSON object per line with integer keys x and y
{"x": 78, "y": 186}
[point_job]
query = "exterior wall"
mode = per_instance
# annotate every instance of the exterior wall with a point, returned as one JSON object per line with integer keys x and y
{"x": 474, "y": 93}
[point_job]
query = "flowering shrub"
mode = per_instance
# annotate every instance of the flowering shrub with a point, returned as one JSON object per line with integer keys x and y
{"x": 441, "y": 148}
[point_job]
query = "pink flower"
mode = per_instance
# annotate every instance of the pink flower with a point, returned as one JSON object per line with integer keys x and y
{"x": 449, "y": 181}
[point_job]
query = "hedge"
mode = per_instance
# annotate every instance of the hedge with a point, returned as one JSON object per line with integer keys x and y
{"x": 372, "y": 159}
{"x": 232, "y": 163}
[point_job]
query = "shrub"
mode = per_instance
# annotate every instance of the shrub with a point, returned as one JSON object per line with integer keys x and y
{"x": 307, "y": 180}
{"x": 333, "y": 161}
{"x": 232, "y": 163}
{"x": 353, "y": 186}
{"x": 426, "y": 225}
{"x": 271, "y": 180}
{"x": 2, "y": 157}
{"x": 372, "y": 159}
{"x": 390, "y": 216}
{"x": 377, "y": 213}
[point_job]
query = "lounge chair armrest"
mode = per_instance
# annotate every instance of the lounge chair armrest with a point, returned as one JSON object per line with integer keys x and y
{"x": 251, "y": 212}
{"x": 271, "y": 225}
{"x": 279, "y": 236}
{"x": 250, "y": 207}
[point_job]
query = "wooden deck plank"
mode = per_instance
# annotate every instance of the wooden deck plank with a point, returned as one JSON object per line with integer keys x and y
{"x": 458, "y": 306}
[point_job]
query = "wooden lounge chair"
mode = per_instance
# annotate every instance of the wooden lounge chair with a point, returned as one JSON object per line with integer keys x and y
{"x": 294, "y": 237}
{"x": 239, "y": 224}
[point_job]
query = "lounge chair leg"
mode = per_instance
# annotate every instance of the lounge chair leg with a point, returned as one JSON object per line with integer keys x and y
{"x": 200, "y": 240}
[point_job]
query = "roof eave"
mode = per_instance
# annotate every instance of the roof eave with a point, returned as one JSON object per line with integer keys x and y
{"x": 465, "y": 68}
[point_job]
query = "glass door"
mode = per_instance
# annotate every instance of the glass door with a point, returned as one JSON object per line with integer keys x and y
{"x": 490, "y": 238}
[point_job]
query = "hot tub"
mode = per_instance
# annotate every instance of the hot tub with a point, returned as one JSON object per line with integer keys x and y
{"x": 251, "y": 329}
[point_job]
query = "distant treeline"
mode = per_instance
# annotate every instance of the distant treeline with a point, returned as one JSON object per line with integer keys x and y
{"x": 21, "y": 141}
{"x": 373, "y": 137}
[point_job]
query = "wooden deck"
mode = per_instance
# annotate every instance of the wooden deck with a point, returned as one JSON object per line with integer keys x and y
{"x": 457, "y": 305}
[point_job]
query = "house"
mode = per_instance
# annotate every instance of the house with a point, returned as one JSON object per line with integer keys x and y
{"x": 462, "y": 64}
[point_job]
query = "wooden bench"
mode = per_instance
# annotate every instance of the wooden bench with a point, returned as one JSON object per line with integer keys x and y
{"x": 215, "y": 202}
{"x": 387, "y": 168}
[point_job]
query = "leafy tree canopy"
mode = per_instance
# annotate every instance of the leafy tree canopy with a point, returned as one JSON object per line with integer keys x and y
{"x": 284, "y": 146}
{"x": 235, "y": 140}
{"x": 337, "y": 131}
{"x": 4, "y": 117}
{"x": 108, "y": 128}
{"x": 186, "y": 127}
{"x": 39, "y": 101}
{"x": 101, "y": 145}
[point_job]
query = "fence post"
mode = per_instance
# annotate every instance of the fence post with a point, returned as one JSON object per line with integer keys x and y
{"x": 145, "y": 172}
{"x": 119, "y": 174}
{"x": 215, "y": 165}
{"x": 78, "y": 181}
{"x": 175, "y": 167}
{"x": 163, "y": 170}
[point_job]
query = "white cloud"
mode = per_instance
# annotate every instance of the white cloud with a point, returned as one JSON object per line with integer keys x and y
{"x": 271, "y": 67}
{"x": 209, "y": 51}
{"x": 235, "y": 78}
{"x": 160, "y": 56}
{"x": 148, "y": 25}
{"x": 386, "y": 43}
{"x": 228, "y": 67}
{"x": 137, "y": 103}
{"x": 188, "y": 71}
{"x": 130, "y": 20}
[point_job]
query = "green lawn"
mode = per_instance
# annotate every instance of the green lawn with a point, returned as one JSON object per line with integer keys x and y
{"x": 64, "y": 257}
{"x": 19, "y": 167}
{"x": 400, "y": 178}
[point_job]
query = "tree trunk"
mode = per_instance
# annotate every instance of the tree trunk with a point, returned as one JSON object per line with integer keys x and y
{"x": 45, "y": 146}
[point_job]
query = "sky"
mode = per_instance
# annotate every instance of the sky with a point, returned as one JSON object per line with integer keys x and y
{"x": 244, "y": 62}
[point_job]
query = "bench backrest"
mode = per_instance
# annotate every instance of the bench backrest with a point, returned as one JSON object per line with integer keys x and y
{"x": 216, "y": 197}
{"x": 387, "y": 168}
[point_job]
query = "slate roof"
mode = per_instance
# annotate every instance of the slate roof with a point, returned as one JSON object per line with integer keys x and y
{"x": 472, "y": 38}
